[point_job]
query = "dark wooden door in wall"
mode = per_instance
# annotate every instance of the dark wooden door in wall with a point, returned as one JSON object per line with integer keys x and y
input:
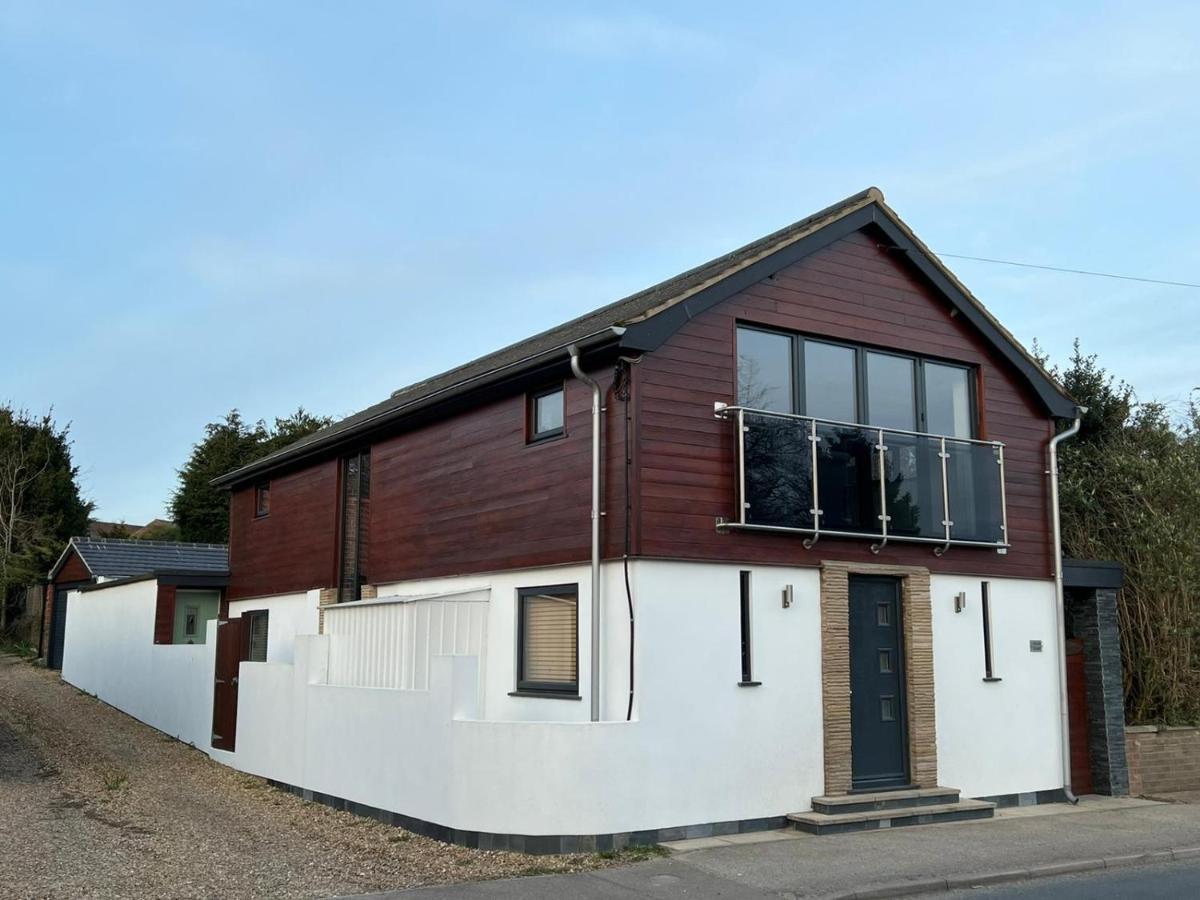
{"x": 58, "y": 630}
{"x": 878, "y": 718}
{"x": 231, "y": 650}
{"x": 1081, "y": 757}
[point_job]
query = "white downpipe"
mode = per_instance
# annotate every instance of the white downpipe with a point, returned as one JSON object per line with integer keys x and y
{"x": 595, "y": 601}
{"x": 1060, "y": 615}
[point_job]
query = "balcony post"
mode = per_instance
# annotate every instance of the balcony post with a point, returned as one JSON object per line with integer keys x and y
{"x": 809, "y": 543}
{"x": 946, "y": 523}
{"x": 884, "y": 518}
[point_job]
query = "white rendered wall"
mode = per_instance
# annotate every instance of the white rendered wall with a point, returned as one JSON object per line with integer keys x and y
{"x": 109, "y": 651}
{"x": 997, "y": 737}
{"x": 287, "y": 616}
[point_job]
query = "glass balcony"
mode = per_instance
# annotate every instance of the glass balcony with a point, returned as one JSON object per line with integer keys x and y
{"x": 820, "y": 477}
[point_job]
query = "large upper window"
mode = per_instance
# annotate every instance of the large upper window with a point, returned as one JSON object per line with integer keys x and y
{"x": 548, "y": 640}
{"x": 784, "y": 372}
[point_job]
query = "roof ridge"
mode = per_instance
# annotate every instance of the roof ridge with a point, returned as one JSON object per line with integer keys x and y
{"x": 135, "y": 542}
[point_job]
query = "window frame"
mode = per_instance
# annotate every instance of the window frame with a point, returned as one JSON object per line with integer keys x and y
{"x": 532, "y": 434}
{"x": 249, "y": 616}
{"x": 861, "y": 399}
{"x": 262, "y": 491}
{"x": 555, "y": 690}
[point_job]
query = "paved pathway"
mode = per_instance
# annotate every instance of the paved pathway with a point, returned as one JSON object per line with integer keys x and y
{"x": 839, "y": 865}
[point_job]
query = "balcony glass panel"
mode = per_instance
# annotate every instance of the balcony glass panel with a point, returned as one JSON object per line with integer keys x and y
{"x": 778, "y": 463}
{"x": 848, "y": 478}
{"x": 973, "y": 476}
{"x": 914, "y": 485}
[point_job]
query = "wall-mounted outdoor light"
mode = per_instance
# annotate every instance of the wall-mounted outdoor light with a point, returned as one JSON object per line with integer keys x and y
{"x": 960, "y": 601}
{"x": 787, "y": 596}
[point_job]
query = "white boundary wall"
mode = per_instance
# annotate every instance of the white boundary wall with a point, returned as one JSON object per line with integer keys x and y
{"x": 699, "y": 748}
{"x": 109, "y": 651}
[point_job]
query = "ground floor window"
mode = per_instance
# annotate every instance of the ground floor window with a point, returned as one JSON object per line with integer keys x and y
{"x": 193, "y": 609}
{"x": 548, "y": 639}
{"x": 256, "y": 635}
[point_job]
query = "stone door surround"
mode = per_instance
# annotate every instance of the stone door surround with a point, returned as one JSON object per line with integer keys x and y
{"x": 917, "y": 635}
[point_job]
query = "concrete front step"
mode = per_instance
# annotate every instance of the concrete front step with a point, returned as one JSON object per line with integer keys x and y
{"x": 839, "y": 823}
{"x": 852, "y": 803}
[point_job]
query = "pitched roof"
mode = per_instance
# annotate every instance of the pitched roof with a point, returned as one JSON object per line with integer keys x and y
{"x": 643, "y": 320}
{"x": 119, "y": 558}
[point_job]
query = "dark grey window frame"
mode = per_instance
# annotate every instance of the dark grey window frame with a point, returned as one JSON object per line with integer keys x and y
{"x": 744, "y": 584}
{"x": 250, "y": 616}
{"x": 862, "y": 410}
{"x": 553, "y": 690}
{"x": 985, "y": 605}
{"x": 532, "y": 434}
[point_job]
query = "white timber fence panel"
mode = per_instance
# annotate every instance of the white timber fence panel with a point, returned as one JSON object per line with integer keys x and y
{"x": 389, "y": 642}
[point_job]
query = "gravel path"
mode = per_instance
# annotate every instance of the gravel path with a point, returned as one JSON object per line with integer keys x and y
{"x": 95, "y": 804}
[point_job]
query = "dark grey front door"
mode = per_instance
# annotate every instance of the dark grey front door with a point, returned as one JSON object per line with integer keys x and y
{"x": 878, "y": 721}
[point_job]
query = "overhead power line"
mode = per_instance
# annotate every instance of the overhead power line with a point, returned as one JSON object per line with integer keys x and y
{"x": 1024, "y": 265}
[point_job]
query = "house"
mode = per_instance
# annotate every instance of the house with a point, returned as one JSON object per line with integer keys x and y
{"x": 773, "y": 538}
{"x": 197, "y": 571}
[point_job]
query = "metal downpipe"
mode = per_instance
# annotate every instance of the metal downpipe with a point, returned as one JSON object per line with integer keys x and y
{"x": 1060, "y": 605}
{"x": 595, "y": 597}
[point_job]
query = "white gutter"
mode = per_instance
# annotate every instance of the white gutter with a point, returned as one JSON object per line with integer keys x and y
{"x": 1060, "y": 605}
{"x": 595, "y": 596}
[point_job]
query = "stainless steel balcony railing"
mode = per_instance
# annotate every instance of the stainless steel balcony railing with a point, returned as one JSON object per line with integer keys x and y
{"x": 822, "y": 477}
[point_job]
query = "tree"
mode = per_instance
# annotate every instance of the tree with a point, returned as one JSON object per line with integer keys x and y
{"x": 200, "y": 510}
{"x": 1130, "y": 491}
{"x": 41, "y": 506}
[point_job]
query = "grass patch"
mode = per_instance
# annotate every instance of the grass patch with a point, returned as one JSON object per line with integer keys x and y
{"x": 635, "y": 853}
{"x": 24, "y": 649}
{"x": 114, "y": 780}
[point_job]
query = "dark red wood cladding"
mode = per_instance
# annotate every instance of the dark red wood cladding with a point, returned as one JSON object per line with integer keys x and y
{"x": 855, "y": 291}
{"x": 469, "y": 494}
{"x": 73, "y": 571}
{"x": 292, "y": 548}
{"x": 164, "y": 614}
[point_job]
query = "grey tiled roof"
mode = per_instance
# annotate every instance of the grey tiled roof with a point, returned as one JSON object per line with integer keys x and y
{"x": 113, "y": 558}
{"x": 615, "y": 317}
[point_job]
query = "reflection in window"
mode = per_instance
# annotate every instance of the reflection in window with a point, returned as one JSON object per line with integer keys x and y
{"x": 829, "y": 382}
{"x": 764, "y": 370}
{"x": 890, "y": 392}
{"x": 947, "y": 400}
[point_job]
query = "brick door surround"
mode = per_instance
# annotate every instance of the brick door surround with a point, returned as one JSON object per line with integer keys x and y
{"x": 917, "y": 636}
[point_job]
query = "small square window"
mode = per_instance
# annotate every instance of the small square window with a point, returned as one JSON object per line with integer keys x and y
{"x": 883, "y": 615}
{"x": 887, "y": 708}
{"x": 548, "y": 640}
{"x": 262, "y": 499}
{"x": 885, "y": 662}
{"x": 546, "y": 414}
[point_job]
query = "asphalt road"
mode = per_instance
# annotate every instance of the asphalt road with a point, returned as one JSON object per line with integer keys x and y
{"x": 1179, "y": 879}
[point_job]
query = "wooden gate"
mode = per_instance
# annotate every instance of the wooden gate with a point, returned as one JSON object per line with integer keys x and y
{"x": 1077, "y": 716}
{"x": 231, "y": 650}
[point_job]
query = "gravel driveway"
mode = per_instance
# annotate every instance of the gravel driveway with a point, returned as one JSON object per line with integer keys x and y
{"x": 95, "y": 804}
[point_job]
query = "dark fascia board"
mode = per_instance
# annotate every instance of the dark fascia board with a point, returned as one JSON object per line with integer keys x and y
{"x": 423, "y": 408}
{"x": 175, "y": 577}
{"x": 1093, "y": 573}
{"x": 650, "y": 334}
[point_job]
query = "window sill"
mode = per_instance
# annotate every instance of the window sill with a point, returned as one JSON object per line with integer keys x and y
{"x": 546, "y": 695}
{"x": 749, "y": 683}
{"x": 990, "y": 679}
{"x": 548, "y": 438}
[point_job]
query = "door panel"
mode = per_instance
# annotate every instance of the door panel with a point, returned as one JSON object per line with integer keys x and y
{"x": 58, "y": 630}
{"x": 1081, "y": 757}
{"x": 231, "y": 650}
{"x": 878, "y": 717}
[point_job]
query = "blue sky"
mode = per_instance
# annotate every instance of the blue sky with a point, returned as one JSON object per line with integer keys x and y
{"x": 208, "y": 206}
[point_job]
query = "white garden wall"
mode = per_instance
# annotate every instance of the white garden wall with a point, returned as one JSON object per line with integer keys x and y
{"x": 109, "y": 651}
{"x": 447, "y": 744}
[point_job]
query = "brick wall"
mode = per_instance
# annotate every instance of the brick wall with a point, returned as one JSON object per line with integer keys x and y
{"x": 1162, "y": 759}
